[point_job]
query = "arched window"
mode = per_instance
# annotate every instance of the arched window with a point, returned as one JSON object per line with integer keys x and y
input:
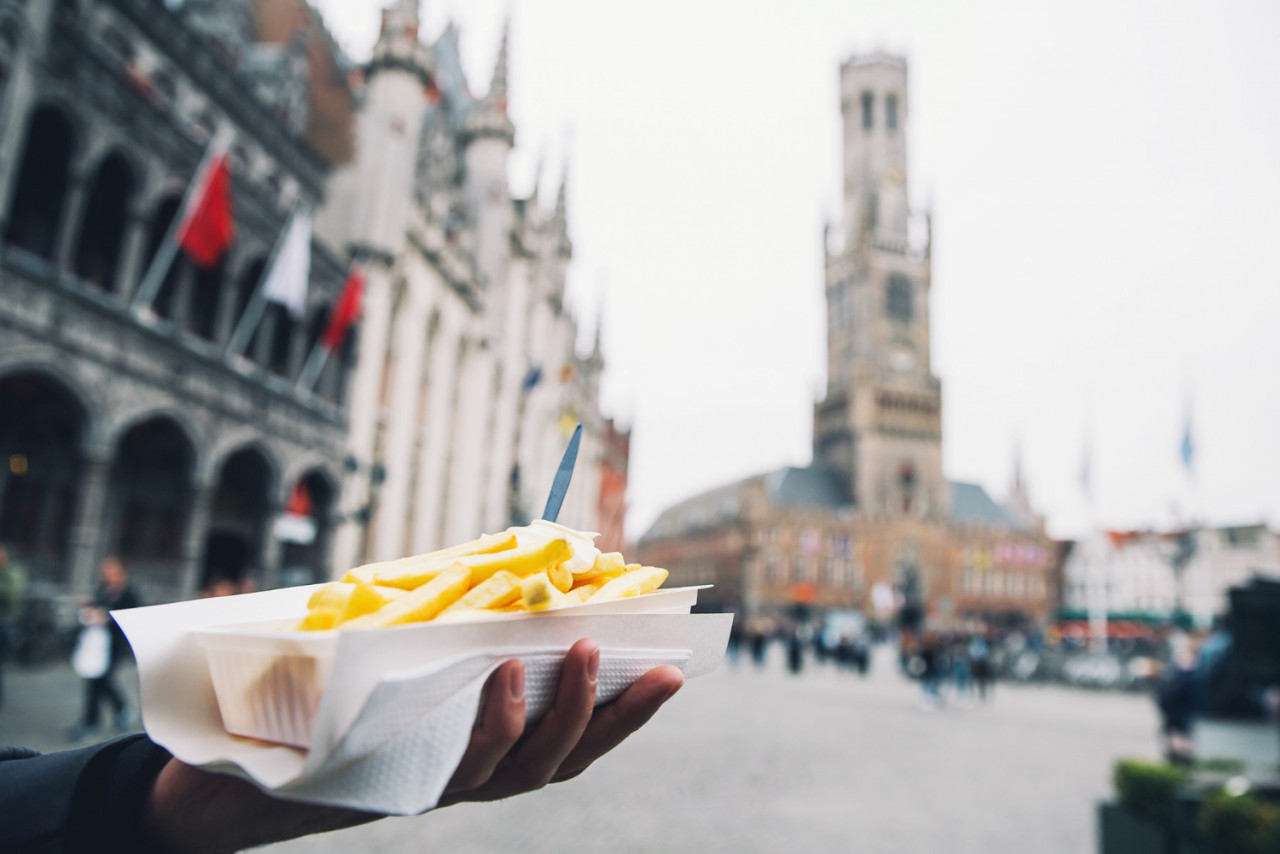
{"x": 868, "y": 110}
{"x": 898, "y": 300}
{"x": 206, "y": 300}
{"x": 165, "y": 303}
{"x": 102, "y": 230}
{"x": 280, "y": 352}
{"x": 891, "y": 112}
{"x": 40, "y": 194}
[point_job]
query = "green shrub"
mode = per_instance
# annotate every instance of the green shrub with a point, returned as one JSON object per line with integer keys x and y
{"x": 1220, "y": 765}
{"x": 1239, "y": 824}
{"x": 1147, "y": 789}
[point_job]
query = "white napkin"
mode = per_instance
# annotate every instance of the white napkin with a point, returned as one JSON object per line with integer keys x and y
{"x": 398, "y": 710}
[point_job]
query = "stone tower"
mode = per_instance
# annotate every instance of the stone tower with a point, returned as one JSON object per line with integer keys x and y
{"x": 880, "y": 423}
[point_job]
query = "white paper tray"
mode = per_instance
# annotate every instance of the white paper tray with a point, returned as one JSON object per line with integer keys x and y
{"x": 397, "y": 707}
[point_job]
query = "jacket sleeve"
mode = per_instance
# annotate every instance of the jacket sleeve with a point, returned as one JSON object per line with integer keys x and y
{"x": 87, "y": 800}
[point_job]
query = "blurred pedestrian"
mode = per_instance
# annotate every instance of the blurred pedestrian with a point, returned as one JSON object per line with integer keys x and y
{"x": 961, "y": 667}
{"x": 1176, "y": 699}
{"x": 13, "y": 592}
{"x": 980, "y": 664}
{"x": 795, "y": 651}
{"x": 932, "y": 666}
{"x": 114, "y": 593}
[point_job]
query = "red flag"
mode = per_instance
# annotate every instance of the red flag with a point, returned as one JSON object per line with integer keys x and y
{"x": 209, "y": 229}
{"x": 345, "y": 312}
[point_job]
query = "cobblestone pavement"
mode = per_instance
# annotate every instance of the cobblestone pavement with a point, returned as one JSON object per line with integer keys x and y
{"x": 750, "y": 760}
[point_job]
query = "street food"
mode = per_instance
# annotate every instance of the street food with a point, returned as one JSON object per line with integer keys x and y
{"x": 528, "y": 569}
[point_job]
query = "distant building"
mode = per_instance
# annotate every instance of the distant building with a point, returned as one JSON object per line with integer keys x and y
{"x": 873, "y": 523}
{"x": 130, "y": 429}
{"x": 469, "y": 380}
{"x": 1150, "y": 575}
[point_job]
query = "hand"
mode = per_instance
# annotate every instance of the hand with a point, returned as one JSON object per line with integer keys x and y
{"x": 503, "y": 760}
{"x": 197, "y": 811}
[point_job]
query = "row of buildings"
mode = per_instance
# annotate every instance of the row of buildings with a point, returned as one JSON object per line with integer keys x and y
{"x": 134, "y": 427}
{"x": 872, "y": 524}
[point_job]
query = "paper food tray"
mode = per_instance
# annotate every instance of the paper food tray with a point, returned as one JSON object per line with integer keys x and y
{"x": 269, "y": 680}
{"x": 379, "y": 719}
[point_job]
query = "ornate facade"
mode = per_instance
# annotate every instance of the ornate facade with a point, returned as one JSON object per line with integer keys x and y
{"x": 129, "y": 428}
{"x": 873, "y": 523}
{"x": 469, "y": 381}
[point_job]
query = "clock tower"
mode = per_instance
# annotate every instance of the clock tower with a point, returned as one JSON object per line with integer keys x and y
{"x": 880, "y": 423}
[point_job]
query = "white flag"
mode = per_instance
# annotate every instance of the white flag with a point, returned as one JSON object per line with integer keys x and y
{"x": 287, "y": 281}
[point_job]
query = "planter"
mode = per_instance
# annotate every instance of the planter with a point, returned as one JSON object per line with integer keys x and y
{"x": 1120, "y": 832}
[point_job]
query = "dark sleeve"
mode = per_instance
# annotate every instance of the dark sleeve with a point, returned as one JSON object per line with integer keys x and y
{"x": 87, "y": 800}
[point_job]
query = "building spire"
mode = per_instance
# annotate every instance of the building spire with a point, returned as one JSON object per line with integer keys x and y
{"x": 498, "y": 86}
{"x": 400, "y": 20}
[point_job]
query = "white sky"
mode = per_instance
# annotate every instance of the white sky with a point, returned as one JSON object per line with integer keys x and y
{"x": 1105, "y": 181}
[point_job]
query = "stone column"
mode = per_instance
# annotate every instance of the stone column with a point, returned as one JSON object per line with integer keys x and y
{"x": 193, "y": 544}
{"x": 270, "y": 550}
{"x": 133, "y": 259}
{"x": 64, "y": 247}
{"x": 87, "y": 530}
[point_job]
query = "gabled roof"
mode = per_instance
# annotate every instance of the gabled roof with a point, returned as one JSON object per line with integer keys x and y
{"x": 971, "y": 505}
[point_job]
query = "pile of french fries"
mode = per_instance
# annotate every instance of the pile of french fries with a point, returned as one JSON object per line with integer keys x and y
{"x": 496, "y": 573}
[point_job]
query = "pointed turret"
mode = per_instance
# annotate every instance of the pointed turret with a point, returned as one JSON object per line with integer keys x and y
{"x": 560, "y": 219}
{"x": 398, "y": 46}
{"x": 488, "y": 116}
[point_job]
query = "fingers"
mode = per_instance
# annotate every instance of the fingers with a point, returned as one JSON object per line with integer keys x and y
{"x": 612, "y": 723}
{"x": 535, "y": 762}
{"x": 498, "y": 727}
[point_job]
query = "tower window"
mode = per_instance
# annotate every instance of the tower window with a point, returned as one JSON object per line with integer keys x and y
{"x": 868, "y": 110}
{"x": 891, "y": 112}
{"x": 898, "y": 301}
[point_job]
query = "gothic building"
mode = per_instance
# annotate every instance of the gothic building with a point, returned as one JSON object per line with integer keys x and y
{"x": 873, "y": 522}
{"x": 127, "y": 425}
{"x": 470, "y": 381}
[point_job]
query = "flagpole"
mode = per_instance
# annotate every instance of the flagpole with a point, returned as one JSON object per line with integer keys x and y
{"x": 314, "y": 365}
{"x": 258, "y": 302}
{"x": 153, "y": 279}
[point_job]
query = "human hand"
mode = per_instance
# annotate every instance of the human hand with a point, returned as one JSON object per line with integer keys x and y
{"x": 503, "y": 759}
{"x": 197, "y": 811}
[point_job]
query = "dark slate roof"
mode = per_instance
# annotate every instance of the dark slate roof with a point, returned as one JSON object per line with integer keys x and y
{"x": 808, "y": 488}
{"x": 970, "y": 505}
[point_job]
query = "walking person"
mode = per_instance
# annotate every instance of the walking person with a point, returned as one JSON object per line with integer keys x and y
{"x": 932, "y": 668}
{"x": 961, "y": 668}
{"x": 13, "y": 591}
{"x": 980, "y": 665}
{"x": 114, "y": 593}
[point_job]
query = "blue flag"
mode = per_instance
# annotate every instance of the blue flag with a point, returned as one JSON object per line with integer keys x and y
{"x": 1188, "y": 449}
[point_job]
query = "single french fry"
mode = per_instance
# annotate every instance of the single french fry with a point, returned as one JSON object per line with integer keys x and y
{"x": 501, "y": 588}
{"x": 319, "y": 620}
{"x": 333, "y": 595}
{"x": 560, "y": 577}
{"x": 337, "y": 594}
{"x": 364, "y": 599}
{"x": 579, "y": 594}
{"x": 637, "y": 582}
{"x": 408, "y": 573}
{"x": 421, "y": 604}
{"x": 537, "y": 592}
{"x": 608, "y": 565}
{"x": 520, "y": 561}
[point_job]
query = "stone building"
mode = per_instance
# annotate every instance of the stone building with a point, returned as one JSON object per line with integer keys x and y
{"x": 470, "y": 381}
{"x": 873, "y": 523}
{"x": 129, "y": 428}
{"x": 1154, "y": 575}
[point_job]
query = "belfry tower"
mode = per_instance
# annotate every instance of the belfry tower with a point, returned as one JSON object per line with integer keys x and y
{"x": 880, "y": 423}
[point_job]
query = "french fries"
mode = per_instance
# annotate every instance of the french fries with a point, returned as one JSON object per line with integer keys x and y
{"x": 522, "y": 570}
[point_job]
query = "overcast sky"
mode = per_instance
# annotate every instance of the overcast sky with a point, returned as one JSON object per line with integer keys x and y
{"x": 1105, "y": 180}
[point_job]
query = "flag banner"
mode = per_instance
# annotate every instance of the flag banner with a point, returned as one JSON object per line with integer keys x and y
{"x": 287, "y": 282}
{"x": 208, "y": 230}
{"x": 345, "y": 312}
{"x": 1187, "y": 449}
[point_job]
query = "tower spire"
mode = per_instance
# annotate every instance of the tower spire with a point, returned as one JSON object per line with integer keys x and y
{"x": 498, "y": 86}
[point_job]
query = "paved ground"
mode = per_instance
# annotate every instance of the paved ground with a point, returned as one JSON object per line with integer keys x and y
{"x": 761, "y": 761}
